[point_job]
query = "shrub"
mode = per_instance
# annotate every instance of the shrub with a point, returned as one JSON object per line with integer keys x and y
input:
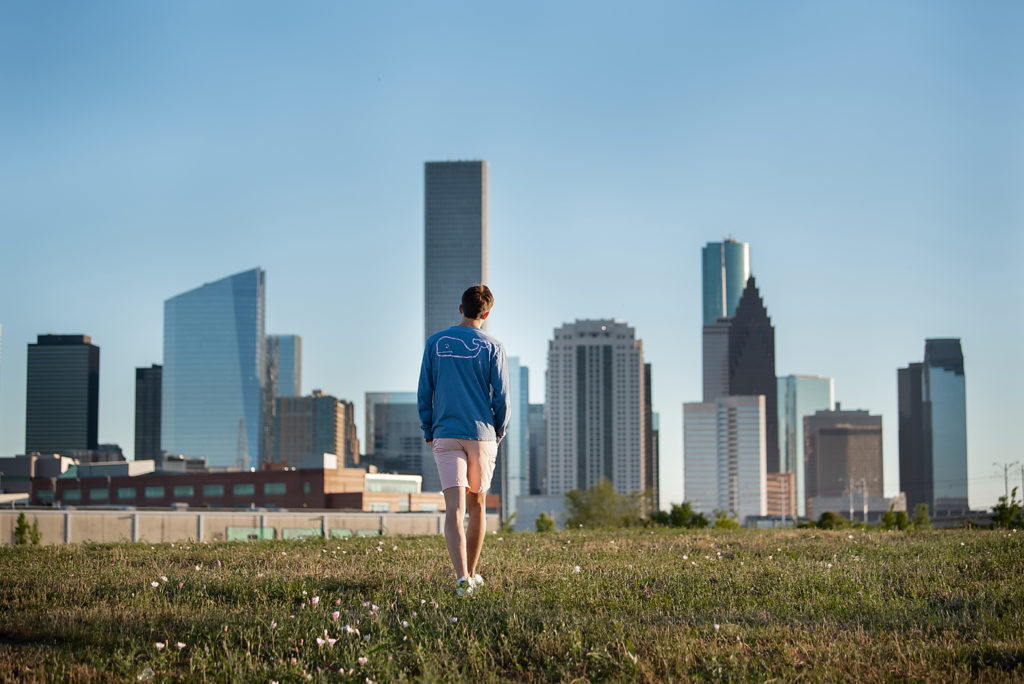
{"x": 544, "y": 523}
{"x": 602, "y": 506}
{"x": 830, "y": 520}
{"x": 889, "y": 518}
{"x": 921, "y": 519}
{"x": 25, "y": 533}
{"x": 724, "y": 521}
{"x": 1007, "y": 514}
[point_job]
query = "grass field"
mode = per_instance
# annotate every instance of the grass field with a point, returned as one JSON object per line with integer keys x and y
{"x": 581, "y": 605}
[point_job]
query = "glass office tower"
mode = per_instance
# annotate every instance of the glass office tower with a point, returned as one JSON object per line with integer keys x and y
{"x": 800, "y": 396}
{"x": 455, "y": 238}
{"x": 212, "y": 395}
{"x": 725, "y": 267}
{"x": 62, "y": 395}
{"x": 944, "y": 417}
{"x": 514, "y": 459}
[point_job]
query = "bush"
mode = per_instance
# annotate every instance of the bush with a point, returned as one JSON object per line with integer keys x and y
{"x": 509, "y": 524}
{"x": 921, "y": 520}
{"x": 830, "y": 520}
{"x": 25, "y": 533}
{"x": 679, "y": 516}
{"x": 1006, "y": 514}
{"x": 602, "y": 506}
{"x": 544, "y": 523}
{"x": 724, "y": 521}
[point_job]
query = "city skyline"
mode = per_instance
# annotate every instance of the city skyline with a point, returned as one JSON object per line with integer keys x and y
{"x": 856, "y": 149}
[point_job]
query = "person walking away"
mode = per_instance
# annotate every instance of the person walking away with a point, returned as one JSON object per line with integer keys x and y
{"x": 463, "y": 404}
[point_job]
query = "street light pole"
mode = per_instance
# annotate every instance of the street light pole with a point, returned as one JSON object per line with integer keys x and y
{"x": 1006, "y": 477}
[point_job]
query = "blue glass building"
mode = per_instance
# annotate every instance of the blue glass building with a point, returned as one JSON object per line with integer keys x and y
{"x": 284, "y": 365}
{"x": 514, "y": 459}
{"x": 944, "y": 414}
{"x": 725, "y": 268}
{"x": 800, "y": 396}
{"x": 214, "y": 356}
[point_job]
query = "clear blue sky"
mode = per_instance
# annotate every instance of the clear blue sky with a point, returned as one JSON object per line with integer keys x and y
{"x": 872, "y": 153}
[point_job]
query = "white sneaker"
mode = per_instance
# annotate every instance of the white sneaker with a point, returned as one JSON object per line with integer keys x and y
{"x": 464, "y": 586}
{"x": 476, "y": 580}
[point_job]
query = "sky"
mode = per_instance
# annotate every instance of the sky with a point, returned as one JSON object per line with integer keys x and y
{"x": 871, "y": 153}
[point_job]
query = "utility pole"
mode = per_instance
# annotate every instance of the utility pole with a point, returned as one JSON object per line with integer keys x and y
{"x": 785, "y": 500}
{"x": 850, "y": 483}
{"x": 1006, "y": 477}
{"x": 864, "y": 492}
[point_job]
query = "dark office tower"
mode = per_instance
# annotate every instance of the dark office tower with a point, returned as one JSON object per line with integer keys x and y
{"x": 148, "y": 382}
{"x": 62, "y": 395}
{"x": 915, "y": 468}
{"x": 214, "y": 356}
{"x": 842, "y": 447}
{"x": 312, "y": 426}
{"x": 650, "y": 445}
{"x": 944, "y": 419}
{"x": 455, "y": 238}
{"x": 752, "y": 363}
{"x": 538, "y": 452}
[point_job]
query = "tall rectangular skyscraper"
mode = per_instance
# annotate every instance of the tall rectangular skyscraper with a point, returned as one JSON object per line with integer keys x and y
{"x": 455, "y": 238}
{"x": 595, "y": 407}
{"x": 148, "y": 383}
{"x": 799, "y": 396}
{"x": 725, "y": 268}
{"x": 933, "y": 428}
{"x": 724, "y": 456}
{"x": 62, "y": 395}
{"x": 842, "y": 451}
{"x": 514, "y": 457}
{"x": 214, "y": 356}
{"x": 944, "y": 418}
{"x": 284, "y": 365}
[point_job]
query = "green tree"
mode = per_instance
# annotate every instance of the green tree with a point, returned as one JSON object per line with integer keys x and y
{"x": 543, "y": 523}
{"x": 830, "y": 520}
{"x": 25, "y": 533}
{"x": 921, "y": 520}
{"x": 1006, "y": 514}
{"x": 902, "y": 522}
{"x": 602, "y": 506}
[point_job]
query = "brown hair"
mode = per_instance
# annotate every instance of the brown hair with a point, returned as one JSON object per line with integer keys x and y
{"x": 477, "y": 301}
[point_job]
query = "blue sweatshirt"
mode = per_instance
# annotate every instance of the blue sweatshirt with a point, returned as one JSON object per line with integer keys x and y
{"x": 463, "y": 391}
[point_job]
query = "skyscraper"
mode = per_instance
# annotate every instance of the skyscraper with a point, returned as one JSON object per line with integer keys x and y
{"x": 799, "y": 396}
{"x": 944, "y": 418}
{"x": 394, "y": 440}
{"x": 843, "y": 451}
{"x": 650, "y": 443}
{"x": 62, "y": 395}
{"x": 282, "y": 378}
{"x": 455, "y": 238}
{"x": 312, "y": 426}
{"x": 214, "y": 356}
{"x": 915, "y": 465}
{"x": 514, "y": 456}
{"x": 148, "y": 382}
{"x": 933, "y": 428}
{"x": 537, "y": 435}
{"x": 725, "y": 268}
{"x": 724, "y": 456}
{"x": 752, "y": 363}
{"x": 595, "y": 405}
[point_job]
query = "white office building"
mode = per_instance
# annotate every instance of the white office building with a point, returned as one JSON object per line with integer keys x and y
{"x": 725, "y": 456}
{"x": 595, "y": 404}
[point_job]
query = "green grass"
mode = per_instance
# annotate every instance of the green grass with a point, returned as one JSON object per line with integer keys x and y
{"x": 644, "y": 606}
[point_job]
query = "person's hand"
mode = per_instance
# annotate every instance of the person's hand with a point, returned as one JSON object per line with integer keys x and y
{"x": 428, "y": 441}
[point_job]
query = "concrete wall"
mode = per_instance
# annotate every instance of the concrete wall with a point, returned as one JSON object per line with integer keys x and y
{"x": 76, "y": 526}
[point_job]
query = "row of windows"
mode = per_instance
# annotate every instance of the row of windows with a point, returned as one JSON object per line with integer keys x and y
{"x": 179, "y": 491}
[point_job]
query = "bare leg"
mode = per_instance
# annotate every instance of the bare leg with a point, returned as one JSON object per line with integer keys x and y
{"x": 477, "y": 504}
{"x": 454, "y": 502}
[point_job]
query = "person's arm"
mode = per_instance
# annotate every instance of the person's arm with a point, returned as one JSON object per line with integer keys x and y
{"x": 500, "y": 401}
{"x": 425, "y": 397}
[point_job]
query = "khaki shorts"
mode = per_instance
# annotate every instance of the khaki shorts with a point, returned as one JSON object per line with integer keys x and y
{"x": 465, "y": 463}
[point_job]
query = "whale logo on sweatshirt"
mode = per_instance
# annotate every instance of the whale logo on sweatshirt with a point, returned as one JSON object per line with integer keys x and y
{"x": 454, "y": 348}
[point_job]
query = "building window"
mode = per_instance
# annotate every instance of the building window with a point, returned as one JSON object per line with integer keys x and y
{"x": 305, "y": 488}
{"x": 428, "y": 508}
{"x": 98, "y": 494}
{"x": 126, "y": 492}
{"x": 379, "y": 507}
{"x": 213, "y": 490}
{"x": 72, "y": 495}
{"x": 243, "y": 489}
{"x": 403, "y": 505}
{"x": 154, "y": 492}
{"x": 184, "y": 491}
{"x": 274, "y": 488}
{"x": 44, "y": 495}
